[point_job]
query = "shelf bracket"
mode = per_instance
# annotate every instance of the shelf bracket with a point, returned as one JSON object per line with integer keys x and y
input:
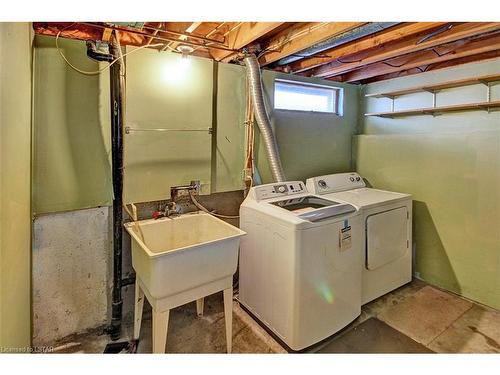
{"x": 433, "y": 92}
{"x": 488, "y": 93}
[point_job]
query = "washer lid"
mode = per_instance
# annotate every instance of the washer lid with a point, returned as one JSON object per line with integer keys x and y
{"x": 368, "y": 197}
{"x": 314, "y": 208}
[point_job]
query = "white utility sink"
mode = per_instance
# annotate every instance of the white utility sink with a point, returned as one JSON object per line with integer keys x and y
{"x": 181, "y": 259}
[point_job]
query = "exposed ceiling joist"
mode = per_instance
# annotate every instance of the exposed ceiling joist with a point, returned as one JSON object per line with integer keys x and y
{"x": 366, "y": 52}
{"x": 398, "y": 48}
{"x": 244, "y": 34}
{"x": 435, "y": 66}
{"x": 302, "y": 36}
{"x": 451, "y": 51}
{"x": 74, "y": 30}
{"x": 191, "y": 28}
{"x": 106, "y": 35}
{"x": 362, "y": 44}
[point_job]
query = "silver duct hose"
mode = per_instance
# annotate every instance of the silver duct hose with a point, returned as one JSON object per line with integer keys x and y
{"x": 256, "y": 92}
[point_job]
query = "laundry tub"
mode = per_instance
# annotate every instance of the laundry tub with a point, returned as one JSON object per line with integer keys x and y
{"x": 181, "y": 259}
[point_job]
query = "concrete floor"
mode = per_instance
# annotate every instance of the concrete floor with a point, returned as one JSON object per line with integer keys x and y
{"x": 416, "y": 318}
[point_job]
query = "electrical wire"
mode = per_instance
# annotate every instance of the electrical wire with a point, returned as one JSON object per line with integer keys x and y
{"x": 347, "y": 62}
{"x": 249, "y": 141}
{"x": 394, "y": 65}
{"x": 96, "y": 72}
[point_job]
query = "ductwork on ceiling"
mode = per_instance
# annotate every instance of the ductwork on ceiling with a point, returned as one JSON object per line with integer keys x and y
{"x": 256, "y": 93}
{"x": 348, "y": 36}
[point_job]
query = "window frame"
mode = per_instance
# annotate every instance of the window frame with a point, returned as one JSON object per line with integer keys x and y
{"x": 338, "y": 94}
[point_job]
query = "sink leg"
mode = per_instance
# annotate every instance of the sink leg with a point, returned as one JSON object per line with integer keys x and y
{"x": 228, "y": 315}
{"x": 199, "y": 306}
{"x": 139, "y": 304}
{"x": 160, "y": 328}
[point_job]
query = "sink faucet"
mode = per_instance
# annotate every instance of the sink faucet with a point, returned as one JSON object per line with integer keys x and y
{"x": 181, "y": 194}
{"x": 171, "y": 209}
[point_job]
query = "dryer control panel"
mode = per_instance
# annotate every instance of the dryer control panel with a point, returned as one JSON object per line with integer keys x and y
{"x": 280, "y": 189}
{"x": 333, "y": 183}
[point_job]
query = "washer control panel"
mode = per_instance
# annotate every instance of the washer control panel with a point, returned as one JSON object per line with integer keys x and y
{"x": 334, "y": 182}
{"x": 279, "y": 189}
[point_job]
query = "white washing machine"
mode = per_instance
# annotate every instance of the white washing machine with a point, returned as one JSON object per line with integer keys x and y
{"x": 387, "y": 229}
{"x": 300, "y": 262}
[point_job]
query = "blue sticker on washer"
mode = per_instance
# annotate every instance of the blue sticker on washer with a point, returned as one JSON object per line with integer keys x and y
{"x": 346, "y": 223}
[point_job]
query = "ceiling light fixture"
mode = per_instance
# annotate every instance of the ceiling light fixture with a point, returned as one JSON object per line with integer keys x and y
{"x": 185, "y": 50}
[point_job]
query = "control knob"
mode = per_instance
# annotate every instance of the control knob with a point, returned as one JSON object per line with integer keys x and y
{"x": 322, "y": 184}
{"x": 281, "y": 189}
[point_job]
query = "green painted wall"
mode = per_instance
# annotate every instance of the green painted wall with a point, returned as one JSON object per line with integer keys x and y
{"x": 310, "y": 144}
{"x": 229, "y": 158}
{"x": 15, "y": 190}
{"x": 451, "y": 165}
{"x": 166, "y": 91}
{"x": 71, "y": 130}
{"x": 72, "y": 165}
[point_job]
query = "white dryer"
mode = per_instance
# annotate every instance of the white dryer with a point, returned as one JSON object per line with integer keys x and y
{"x": 387, "y": 229}
{"x": 300, "y": 262}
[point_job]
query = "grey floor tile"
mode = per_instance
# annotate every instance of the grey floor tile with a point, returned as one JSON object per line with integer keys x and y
{"x": 373, "y": 336}
{"x": 426, "y": 314}
{"x": 379, "y": 305}
{"x": 188, "y": 333}
{"x": 408, "y": 317}
{"x": 476, "y": 331}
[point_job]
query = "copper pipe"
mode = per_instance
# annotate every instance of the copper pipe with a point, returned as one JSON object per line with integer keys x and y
{"x": 160, "y": 38}
{"x": 209, "y": 34}
{"x": 187, "y": 35}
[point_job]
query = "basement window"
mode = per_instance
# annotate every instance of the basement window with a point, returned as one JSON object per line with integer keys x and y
{"x": 299, "y": 96}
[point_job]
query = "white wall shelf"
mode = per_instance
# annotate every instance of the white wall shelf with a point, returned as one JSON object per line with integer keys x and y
{"x": 433, "y": 89}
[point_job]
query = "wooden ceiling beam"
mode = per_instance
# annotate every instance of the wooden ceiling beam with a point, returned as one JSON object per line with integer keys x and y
{"x": 364, "y": 43}
{"x": 243, "y": 35}
{"x": 302, "y": 36}
{"x": 78, "y": 31}
{"x": 173, "y": 45}
{"x": 106, "y": 35}
{"x": 436, "y": 66}
{"x": 452, "y": 51}
{"x": 403, "y": 47}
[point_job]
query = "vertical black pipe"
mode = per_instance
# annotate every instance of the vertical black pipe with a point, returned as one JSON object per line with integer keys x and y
{"x": 116, "y": 85}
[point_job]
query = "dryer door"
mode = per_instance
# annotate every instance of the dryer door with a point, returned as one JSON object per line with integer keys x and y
{"x": 386, "y": 237}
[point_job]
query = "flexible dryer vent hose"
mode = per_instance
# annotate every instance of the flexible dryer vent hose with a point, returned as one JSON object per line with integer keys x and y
{"x": 256, "y": 93}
